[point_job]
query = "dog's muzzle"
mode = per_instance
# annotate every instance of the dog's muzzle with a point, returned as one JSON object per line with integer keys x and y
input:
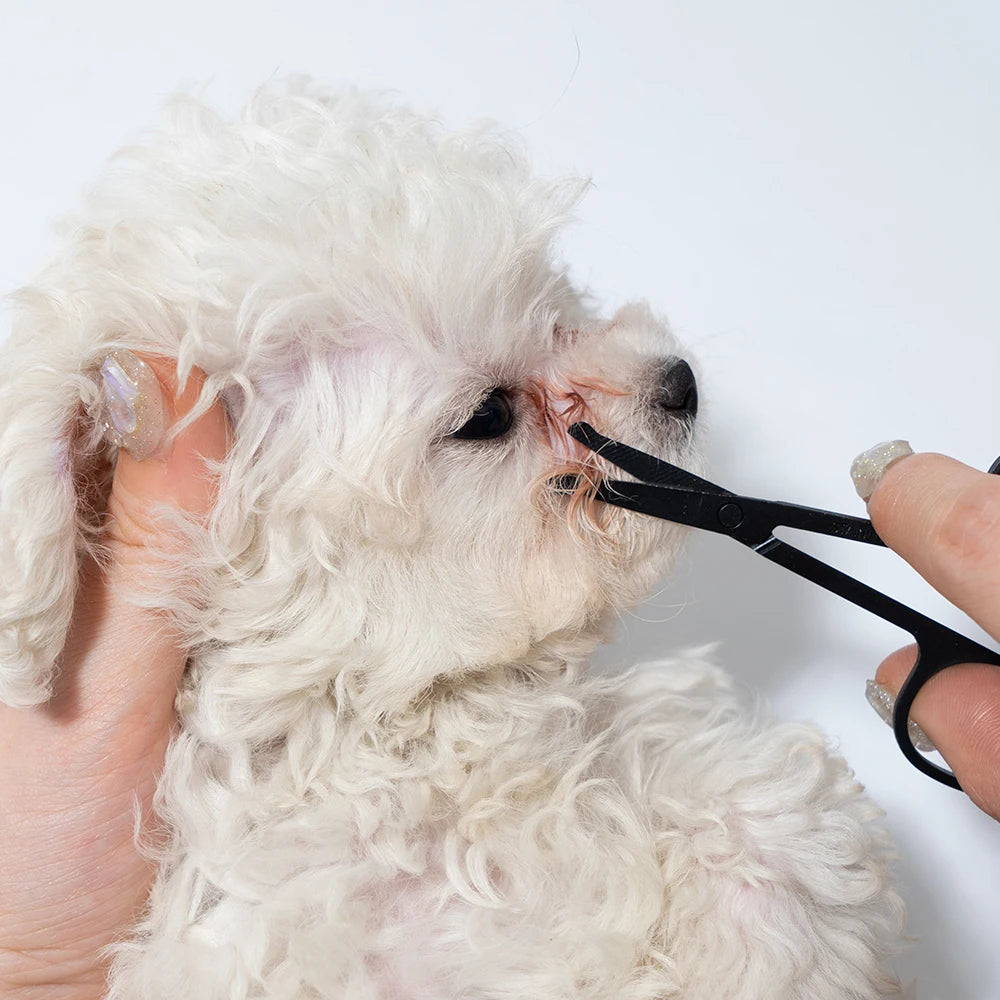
{"x": 674, "y": 395}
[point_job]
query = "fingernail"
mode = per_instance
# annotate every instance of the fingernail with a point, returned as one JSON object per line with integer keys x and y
{"x": 135, "y": 417}
{"x": 869, "y": 467}
{"x": 883, "y": 701}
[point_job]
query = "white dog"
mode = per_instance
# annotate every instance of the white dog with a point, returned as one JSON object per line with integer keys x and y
{"x": 393, "y": 778}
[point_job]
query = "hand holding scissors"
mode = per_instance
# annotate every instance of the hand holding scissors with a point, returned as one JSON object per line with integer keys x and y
{"x": 665, "y": 491}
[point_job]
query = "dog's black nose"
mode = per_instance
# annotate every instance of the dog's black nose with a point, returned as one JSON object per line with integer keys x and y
{"x": 677, "y": 391}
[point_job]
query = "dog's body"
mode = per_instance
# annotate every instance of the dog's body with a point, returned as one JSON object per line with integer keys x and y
{"x": 392, "y": 778}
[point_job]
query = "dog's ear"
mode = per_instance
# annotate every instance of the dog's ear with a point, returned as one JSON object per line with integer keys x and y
{"x": 54, "y": 474}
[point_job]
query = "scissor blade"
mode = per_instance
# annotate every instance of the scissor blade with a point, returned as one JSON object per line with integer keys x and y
{"x": 646, "y": 468}
{"x": 755, "y": 519}
{"x": 670, "y": 503}
{"x": 745, "y": 519}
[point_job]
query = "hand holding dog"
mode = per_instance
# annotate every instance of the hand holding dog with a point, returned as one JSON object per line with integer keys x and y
{"x": 72, "y": 770}
{"x": 943, "y": 518}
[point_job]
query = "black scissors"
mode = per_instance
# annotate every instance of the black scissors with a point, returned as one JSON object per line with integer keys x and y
{"x": 674, "y": 494}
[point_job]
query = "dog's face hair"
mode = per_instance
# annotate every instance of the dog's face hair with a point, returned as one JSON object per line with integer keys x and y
{"x": 377, "y": 304}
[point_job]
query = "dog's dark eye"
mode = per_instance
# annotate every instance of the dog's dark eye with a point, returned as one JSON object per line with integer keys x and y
{"x": 493, "y": 418}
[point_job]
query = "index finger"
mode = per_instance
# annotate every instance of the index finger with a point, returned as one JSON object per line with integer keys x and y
{"x": 943, "y": 518}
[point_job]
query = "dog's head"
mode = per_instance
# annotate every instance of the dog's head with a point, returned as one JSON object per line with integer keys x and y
{"x": 376, "y": 302}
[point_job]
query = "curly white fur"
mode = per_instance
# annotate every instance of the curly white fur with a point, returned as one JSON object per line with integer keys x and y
{"x": 392, "y": 778}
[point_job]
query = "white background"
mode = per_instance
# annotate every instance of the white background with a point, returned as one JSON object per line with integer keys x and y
{"x": 808, "y": 190}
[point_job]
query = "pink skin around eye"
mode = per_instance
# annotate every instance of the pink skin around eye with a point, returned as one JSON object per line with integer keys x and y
{"x": 557, "y": 406}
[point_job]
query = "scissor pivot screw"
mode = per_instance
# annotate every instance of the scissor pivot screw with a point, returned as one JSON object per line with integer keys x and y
{"x": 730, "y": 515}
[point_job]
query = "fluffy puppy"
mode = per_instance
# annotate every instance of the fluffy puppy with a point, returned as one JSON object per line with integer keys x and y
{"x": 392, "y": 777}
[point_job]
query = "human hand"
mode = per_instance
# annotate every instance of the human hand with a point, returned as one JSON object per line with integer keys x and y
{"x": 943, "y": 518}
{"x": 72, "y": 770}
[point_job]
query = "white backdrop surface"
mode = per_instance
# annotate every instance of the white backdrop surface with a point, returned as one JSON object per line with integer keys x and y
{"x": 808, "y": 190}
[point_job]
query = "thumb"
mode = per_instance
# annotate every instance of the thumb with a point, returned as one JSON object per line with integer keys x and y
{"x": 153, "y": 470}
{"x": 121, "y": 659}
{"x": 959, "y": 709}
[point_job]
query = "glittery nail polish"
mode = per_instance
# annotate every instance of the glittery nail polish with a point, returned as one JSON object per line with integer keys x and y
{"x": 869, "y": 467}
{"x": 883, "y": 701}
{"x": 134, "y": 415}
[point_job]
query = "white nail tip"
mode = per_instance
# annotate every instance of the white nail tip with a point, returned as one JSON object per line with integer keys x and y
{"x": 883, "y": 701}
{"x": 869, "y": 467}
{"x": 134, "y": 414}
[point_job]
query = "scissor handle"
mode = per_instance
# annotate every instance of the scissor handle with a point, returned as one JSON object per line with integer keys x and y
{"x": 936, "y": 651}
{"x": 939, "y": 647}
